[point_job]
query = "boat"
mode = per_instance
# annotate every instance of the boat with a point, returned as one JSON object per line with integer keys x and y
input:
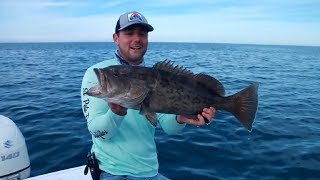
{"x": 15, "y": 162}
{"x": 71, "y": 173}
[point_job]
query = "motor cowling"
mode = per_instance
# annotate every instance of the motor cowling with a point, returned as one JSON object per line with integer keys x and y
{"x": 14, "y": 158}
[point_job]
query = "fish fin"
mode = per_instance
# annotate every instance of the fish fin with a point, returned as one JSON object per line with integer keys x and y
{"x": 152, "y": 118}
{"x": 210, "y": 82}
{"x": 144, "y": 110}
{"x": 168, "y": 66}
{"x": 245, "y": 104}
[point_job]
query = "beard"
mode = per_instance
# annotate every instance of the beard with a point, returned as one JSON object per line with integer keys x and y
{"x": 131, "y": 56}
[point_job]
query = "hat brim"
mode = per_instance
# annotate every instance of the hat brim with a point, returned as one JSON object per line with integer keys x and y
{"x": 145, "y": 25}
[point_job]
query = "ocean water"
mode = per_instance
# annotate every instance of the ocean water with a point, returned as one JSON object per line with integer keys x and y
{"x": 40, "y": 92}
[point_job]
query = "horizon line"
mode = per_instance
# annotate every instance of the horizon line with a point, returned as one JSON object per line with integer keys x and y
{"x": 231, "y": 43}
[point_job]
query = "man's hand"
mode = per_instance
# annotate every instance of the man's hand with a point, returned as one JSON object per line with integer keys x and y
{"x": 207, "y": 113}
{"x": 117, "y": 109}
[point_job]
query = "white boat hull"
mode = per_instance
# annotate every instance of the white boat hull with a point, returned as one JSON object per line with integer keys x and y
{"x": 72, "y": 173}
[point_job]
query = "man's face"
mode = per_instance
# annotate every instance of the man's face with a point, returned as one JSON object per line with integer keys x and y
{"x": 132, "y": 43}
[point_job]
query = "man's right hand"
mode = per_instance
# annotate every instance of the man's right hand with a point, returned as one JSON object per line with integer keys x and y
{"x": 117, "y": 109}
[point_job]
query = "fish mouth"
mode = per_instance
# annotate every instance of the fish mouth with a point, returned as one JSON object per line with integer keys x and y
{"x": 98, "y": 74}
{"x": 102, "y": 78}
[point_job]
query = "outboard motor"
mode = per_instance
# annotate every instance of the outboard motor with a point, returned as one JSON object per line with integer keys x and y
{"x": 14, "y": 158}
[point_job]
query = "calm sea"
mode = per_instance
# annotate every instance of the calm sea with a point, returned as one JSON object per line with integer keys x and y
{"x": 40, "y": 92}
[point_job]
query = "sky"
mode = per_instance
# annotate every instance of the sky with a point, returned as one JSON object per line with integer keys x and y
{"x": 277, "y": 22}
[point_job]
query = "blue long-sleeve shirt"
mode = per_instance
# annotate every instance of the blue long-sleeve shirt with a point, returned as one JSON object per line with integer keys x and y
{"x": 123, "y": 145}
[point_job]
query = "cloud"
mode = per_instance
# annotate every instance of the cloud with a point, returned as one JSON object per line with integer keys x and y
{"x": 265, "y": 22}
{"x": 210, "y": 27}
{"x": 93, "y": 28}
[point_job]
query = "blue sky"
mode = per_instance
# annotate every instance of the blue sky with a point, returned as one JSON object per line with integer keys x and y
{"x": 283, "y": 22}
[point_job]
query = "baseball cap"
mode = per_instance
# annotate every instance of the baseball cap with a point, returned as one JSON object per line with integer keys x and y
{"x": 131, "y": 18}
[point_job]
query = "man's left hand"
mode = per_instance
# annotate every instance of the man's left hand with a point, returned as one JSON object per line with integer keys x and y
{"x": 207, "y": 113}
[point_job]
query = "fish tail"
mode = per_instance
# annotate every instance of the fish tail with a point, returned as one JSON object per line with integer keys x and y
{"x": 245, "y": 104}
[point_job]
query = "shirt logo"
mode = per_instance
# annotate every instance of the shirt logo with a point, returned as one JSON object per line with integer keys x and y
{"x": 135, "y": 17}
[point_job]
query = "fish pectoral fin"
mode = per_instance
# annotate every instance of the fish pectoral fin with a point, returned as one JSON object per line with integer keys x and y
{"x": 152, "y": 118}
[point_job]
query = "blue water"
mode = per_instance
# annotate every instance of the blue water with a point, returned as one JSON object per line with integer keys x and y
{"x": 40, "y": 92}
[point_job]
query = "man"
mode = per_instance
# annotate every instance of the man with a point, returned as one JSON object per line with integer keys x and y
{"x": 123, "y": 140}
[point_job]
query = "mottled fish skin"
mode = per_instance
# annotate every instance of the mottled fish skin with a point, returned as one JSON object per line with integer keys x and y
{"x": 165, "y": 88}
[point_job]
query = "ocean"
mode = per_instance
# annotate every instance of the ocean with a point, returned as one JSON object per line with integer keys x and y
{"x": 40, "y": 91}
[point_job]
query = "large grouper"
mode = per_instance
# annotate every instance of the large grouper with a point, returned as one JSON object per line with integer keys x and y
{"x": 165, "y": 88}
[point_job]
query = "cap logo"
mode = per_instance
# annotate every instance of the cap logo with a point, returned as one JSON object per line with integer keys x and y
{"x": 135, "y": 17}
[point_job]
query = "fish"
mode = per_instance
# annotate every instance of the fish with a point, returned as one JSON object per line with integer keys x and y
{"x": 172, "y": 89}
